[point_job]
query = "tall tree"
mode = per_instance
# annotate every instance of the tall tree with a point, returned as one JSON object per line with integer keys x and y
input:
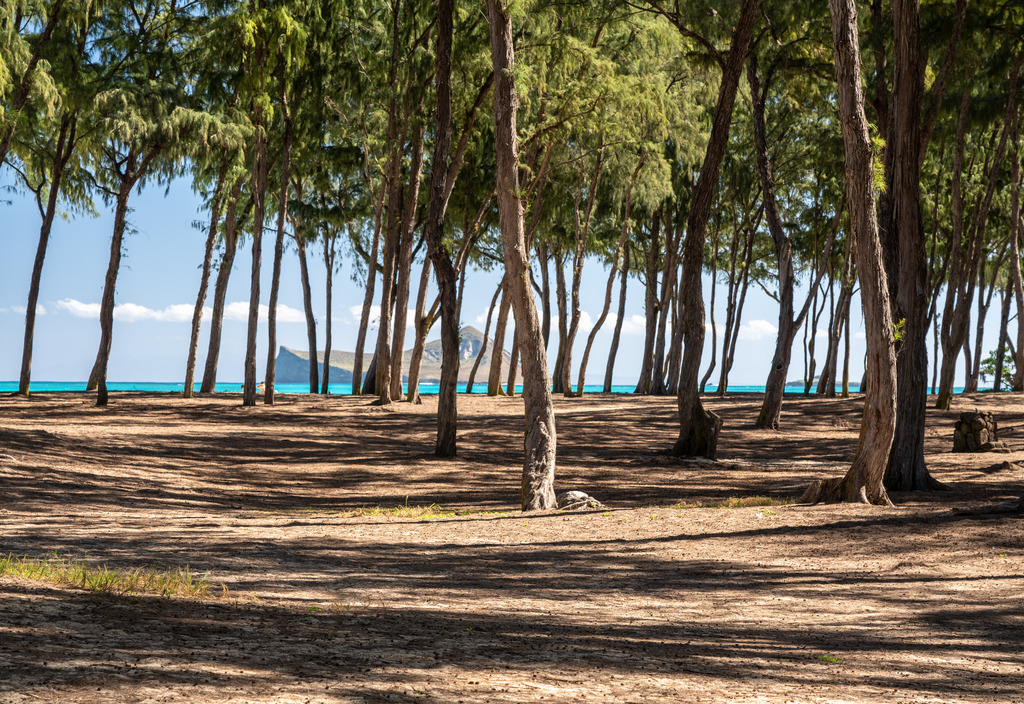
{"x": 538, "y": 492}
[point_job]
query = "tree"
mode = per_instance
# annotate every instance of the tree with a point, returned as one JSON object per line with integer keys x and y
{"x": 864, "y": 481}
{"x": 538, "y": 491}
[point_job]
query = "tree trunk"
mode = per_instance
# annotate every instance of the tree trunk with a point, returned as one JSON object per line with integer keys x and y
{"x": 487, "y": 332}
{"x": 903, "y": 237}
{"x": 275, "y": 281}
{"x": 614, "y": 348}
{"x": 711, "y": 313}
{"x": 204, "y": 281}
{"x": 307, "y": 306}
{"x": 775, "y": 385}
{"x": 330, "y": 253}
{"x": 698, "y": 428}
{"x": 364, "y": 316}
{"x": 863, "y": 482}
{"x": 510, "y": 384}
{"x": 498, "y": 356}
{"x": 220, "y": 291}
{"x": 1017, "y": 384}
{"x": 444, "y": 271}
{"x": 1004, "y": 322}
{"x": 538, "y": 492}
{"x": 98, "y": 378}
{"x": 62, "y": 153}
{"x": 392, "y": 238}
{"x": 651, "y": 307}
{"x": 411, "y": 198}
{"x": 619, "y": 251}
{"x": 259, "y": 192}
{"x": 423, "y": 324}
{"x": 563, "y": 322}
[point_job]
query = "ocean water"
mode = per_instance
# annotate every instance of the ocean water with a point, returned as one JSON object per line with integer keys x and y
{"x": 340, "y": 389}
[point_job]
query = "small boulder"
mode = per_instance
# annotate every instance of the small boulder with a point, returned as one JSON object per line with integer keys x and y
{"x": 577, "y": 501}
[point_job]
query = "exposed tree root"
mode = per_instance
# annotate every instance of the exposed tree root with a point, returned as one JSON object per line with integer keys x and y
{"x": 990, "y": 509}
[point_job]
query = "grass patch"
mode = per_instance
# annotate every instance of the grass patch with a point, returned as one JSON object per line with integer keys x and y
{"x": 66, "y": 571}
{"x": 832, "y": 659}
{"x": 737, "y": 502}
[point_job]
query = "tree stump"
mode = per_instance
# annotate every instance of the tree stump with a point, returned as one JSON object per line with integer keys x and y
{"x": 977, "y": 432}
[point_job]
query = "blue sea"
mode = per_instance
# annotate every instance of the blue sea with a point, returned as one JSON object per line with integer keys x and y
{"x": 340, "y": 389}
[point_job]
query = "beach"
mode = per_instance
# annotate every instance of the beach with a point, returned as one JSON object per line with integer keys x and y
{"x": 349, "y": 564}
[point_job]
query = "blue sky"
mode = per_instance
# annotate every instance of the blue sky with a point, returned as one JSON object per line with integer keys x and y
{"x": 159, "y": 281}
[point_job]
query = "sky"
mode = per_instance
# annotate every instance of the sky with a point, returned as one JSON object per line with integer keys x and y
{"x": 159, "y": 280}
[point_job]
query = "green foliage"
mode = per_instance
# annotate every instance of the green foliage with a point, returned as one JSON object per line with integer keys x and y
{"x": 988, "y": 365}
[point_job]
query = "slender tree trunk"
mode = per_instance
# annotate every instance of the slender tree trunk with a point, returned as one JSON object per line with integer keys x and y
{"x": 62, "y": 153}
{"x": 98, "y": 378}
{"x": 563, "y": 322}
{"x": 651, "y": 307}
{"x": 204, "y": 281}
{"x": 444, "y": 271}
{"x": 487, "y": 332}
{"x": 620, "y": 316}
{"x": 775, "y": 385}
{"x": 1004, "y": 322}
{"x": 545, "y": 292}
{"x": 864, "y": 480}
{"x": 498, "y": 356}
{"x": 330, "y": 253}
{"x": 538, "y": 492}
{"x": 423, "y": 324}
{"x": 371, "y": 278}
{"x": 259, "y": 191}
{"x": 619, "y": 252}
{"x": 1017, "y": 383}
{"x": 275, "y": 281}
{"x": 711, "y": 313}
{"x": 405, "y": 263}
{"x": 510, "y": 384}
{"x": 307, "y": 306}
{"x": 220, "y": 291}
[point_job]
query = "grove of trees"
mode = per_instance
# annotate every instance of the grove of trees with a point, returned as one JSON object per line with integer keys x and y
{"x": 868, "y": 151}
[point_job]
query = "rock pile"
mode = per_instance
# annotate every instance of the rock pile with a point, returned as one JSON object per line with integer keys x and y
{"x": 977, "y": 432}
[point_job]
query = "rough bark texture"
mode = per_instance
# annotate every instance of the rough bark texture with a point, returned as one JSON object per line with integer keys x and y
{"x": 863, "y": 482}
{"x": 617, "y": 333}
{"x": 220, "y": 291}
{"x": 204, "y": 282}
{"x": 259, "y": 192}
{"x": 98, "y": 378}
{"x": 904, "y": 240}
{"x": 275, "y": 280}
{"x": 62, "y": 153}
{"x": 538, "y": 492}
{"x": 775, "y": 385}
{"x": 699, "y": 428}
{"x": 307, "y": 307}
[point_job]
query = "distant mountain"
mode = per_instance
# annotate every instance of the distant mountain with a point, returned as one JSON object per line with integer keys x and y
{"x": 293, "y": 365}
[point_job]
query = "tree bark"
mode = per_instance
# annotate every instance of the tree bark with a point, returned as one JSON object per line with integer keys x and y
{"x": 864, "y": 480}
{"x": 775, "y": 385}
{"x": 538, "y": 482}
{"x": 259, "y": 191}
{"x": 330, "y": 253}
{"x": 307, "y": 306}
{"x": 204, "y": 280}
{"x": 423, "y": 324}
{"x": 651, "y": 307}
{"x": 620, "y": 316}
{"x": 498, "y": 356}
{"x": 699, "y": 428}
{"x": 220, "y": 291}
{"x": 371, "y": 279}
{"x": 487, "y": 332}
{"x": 61, "y": 155}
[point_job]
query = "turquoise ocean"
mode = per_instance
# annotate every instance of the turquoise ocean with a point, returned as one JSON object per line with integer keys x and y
{"x": 340, "y": 389}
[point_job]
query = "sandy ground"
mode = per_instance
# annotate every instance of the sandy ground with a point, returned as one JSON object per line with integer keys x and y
{"x": 650, "y": 600}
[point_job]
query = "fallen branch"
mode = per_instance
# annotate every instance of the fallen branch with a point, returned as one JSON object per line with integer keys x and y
{"x": 991, "y": 509}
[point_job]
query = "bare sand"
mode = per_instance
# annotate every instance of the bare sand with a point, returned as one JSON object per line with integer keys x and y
{"x": 650, "y": 600}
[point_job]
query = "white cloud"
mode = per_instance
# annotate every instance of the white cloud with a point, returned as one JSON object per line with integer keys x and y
{"x": 859, "y": 336}
{"x": 357, "y": 311}
{"x": 239, "y": 311}
{"x": 21, "y": 310}
{"x": 79, "y": 309}
{"x": 633, "y": 325}
{"x": 176, "y": 313}
{"x": 757, "y": 330}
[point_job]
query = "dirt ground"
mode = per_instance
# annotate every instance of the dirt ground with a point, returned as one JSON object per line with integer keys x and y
{"x": 649, "y": 600}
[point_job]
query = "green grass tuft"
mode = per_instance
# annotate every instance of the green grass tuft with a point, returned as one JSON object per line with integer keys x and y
{"x": 65, "y": 571}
